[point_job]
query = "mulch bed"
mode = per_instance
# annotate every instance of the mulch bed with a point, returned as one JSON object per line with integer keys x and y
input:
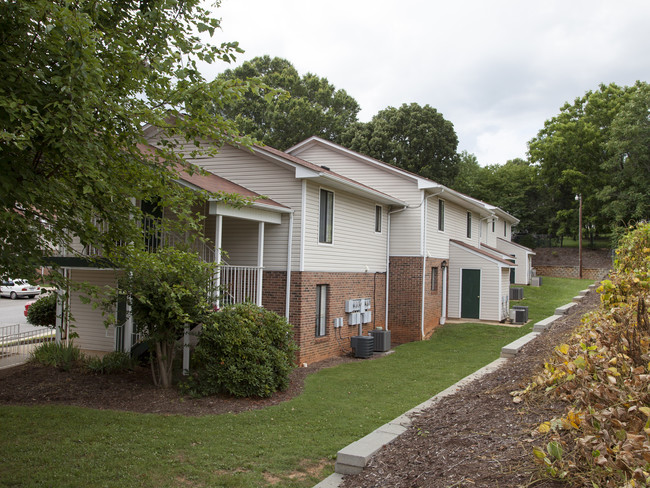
{"x": 478, "y": 437}
{"x": 33, "y": 384}
{"x": 475, "y": 438}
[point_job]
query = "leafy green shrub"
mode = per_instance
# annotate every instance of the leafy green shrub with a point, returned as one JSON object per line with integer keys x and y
{"x": 60, "y": 356}
{"x": 111, "y": 363}
{"x": 244, "y": 350}
{"x": 43, "y": 311}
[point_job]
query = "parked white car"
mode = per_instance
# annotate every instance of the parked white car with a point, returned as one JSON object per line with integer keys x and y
{"x": 18, "y": 288}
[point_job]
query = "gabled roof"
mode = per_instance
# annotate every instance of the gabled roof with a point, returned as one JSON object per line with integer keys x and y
{"x": 483, "y": 253}
{"x": 514, "y": 244}
{"x": 494, "y": 250}
{"x": 422, "y": 182}
{"x": 216, "y": 184}
{"x": 305, "y": 169}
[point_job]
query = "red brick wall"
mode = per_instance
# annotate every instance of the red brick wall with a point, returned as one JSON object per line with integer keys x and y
{"x": 405, "y": 298}
{"x": 302, "y": 314}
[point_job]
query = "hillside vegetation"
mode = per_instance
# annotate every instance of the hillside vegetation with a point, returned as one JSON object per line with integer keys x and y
{"x": 603, "y": 374}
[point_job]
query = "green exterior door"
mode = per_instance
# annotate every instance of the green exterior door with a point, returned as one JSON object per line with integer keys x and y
{"x": 470, "y": 296}
{"x": 512, "y": 272}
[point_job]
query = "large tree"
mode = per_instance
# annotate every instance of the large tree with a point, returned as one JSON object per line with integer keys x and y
{"x": 80, "y": 79}
{"x": 413, "y": 137}
{"x": 290, "y": 107}
{"x": 575, "y": 155}
{"x": 626, "y": 194}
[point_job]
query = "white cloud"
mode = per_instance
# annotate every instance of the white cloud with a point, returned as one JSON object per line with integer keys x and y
{"x": 495, "y": 69}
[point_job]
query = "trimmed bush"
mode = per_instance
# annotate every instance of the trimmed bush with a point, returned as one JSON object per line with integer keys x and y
{"x": 60, "y": 356}
{"x": 111, "y": 363}
{"x": 245, "y": 351}
{"x": 43, "y": 311}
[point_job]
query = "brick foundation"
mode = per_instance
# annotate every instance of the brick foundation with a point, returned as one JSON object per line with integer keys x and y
{"x": 302, "y": 314}
{"x": 405, "y": 296}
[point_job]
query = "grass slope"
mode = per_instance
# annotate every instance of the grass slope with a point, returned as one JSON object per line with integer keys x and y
{"x": 289, "y": 445}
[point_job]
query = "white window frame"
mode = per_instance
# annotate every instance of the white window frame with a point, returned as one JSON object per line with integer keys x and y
{"x": 441, "y": 215}
{"x": 330, "y": 219}
{"x": 322, "y": 291}
{"x": 379, "y": 216}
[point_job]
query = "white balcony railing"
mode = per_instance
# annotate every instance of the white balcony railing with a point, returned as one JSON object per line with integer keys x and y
{"x": 240, "y": 284}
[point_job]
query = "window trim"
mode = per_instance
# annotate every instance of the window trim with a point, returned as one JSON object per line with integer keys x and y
{"x": 322, "y": 294}
{"x": 494, "y": 225}
{"x": 434, "y": 278}
{"x": 469, "y": 225}
{"x": 441, "y": 215}
{"x": 505, "y": 231}
{"x": 379, "y": 216}
{"x": 325, "y": 237}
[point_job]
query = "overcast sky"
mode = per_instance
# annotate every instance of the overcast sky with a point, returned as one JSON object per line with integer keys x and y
{"x": 497, "y": 69}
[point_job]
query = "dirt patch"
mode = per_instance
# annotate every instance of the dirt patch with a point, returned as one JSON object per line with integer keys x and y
{"x": 478, "y": 437}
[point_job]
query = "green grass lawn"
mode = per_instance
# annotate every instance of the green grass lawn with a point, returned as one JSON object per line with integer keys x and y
{"x": 290, "y": 445}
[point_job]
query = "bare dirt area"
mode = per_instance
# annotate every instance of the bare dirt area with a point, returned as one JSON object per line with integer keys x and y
{"x": 477, "y": 437}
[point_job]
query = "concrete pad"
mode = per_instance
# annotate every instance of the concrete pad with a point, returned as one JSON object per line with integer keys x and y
{"x": 544, "y": 324}
{"x": 514, "y": 347}
{"x": 332, "y": 481}
{"x": 564, "y": 309}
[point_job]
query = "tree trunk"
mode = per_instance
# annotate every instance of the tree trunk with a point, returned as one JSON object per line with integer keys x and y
{"x": 164, "y": 363}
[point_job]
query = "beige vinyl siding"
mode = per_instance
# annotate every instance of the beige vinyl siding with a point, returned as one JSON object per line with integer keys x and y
{"x": 522, "y": 259}
{"x": 437, "y": 241}
{"x": 239, "y": 242}
{"x": 505, "y": 293}
{"x": 88, "y": 322}
{"x": 271, "y": 179}
{"x": 491, "y": 276}
{"x": 405, "y": 225}
{"x": 355, "y": 244}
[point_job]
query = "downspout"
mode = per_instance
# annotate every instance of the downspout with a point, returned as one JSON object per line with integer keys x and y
{"x": 388, "y": 260}
{"x": 424, "y": 257}
{"x": 303, "y": 210}
{"x": 287, "y": 305}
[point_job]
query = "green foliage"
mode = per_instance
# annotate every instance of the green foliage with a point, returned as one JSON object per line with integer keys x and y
{"x": 286, "y": 442}
{"x": 289, "y": 108}
{"x": 62, "y": 356}
{"x": 602, "y": 373}
{"x": 514, "y": 187}
{"x": 413, "y": 137}
{"x": 586, "y": 150}
{"x": 80, "y": 80}
{"x": 43, "y": 311}
{"x": 244, "y": 350}
{"x": 111, "y": 363}
{"x": 167, "y": 291}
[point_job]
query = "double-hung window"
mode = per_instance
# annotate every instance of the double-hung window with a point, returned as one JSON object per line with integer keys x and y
{"x": 326, "y": 218}
{"x": 321, "y": 310}
{"x": 441, "y": 215}
{"x": 469, "y": 225}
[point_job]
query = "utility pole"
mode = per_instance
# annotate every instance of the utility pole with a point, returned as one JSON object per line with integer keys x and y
{"x": 579, "y": 198}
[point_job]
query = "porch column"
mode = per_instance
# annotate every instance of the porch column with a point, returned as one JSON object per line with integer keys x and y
{"x": 217, "y": 258}
{"x": 260, "y": 261}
